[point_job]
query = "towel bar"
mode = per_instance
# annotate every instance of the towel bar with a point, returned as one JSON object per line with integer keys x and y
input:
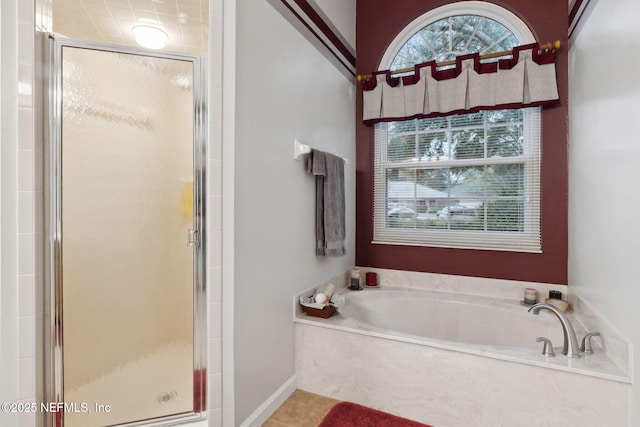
{"x": 300, "y": 149}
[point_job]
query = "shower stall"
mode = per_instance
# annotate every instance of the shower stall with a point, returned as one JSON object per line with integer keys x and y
{"x": 125, "y": 304}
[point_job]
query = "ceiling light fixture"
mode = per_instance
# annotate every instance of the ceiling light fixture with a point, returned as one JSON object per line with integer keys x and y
{"x": 150, "y": 37}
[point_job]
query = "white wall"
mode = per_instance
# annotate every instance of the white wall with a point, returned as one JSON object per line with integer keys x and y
{"x": 604, "y": 198}
{"x": 342, "y": 14}
{"x": 285, "y": 89}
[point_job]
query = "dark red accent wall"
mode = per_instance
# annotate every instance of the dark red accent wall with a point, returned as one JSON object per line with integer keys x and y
{"x": 377, "y": 24}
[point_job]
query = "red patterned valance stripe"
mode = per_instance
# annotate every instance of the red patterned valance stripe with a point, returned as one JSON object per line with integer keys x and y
{"x": 525, "y": 80}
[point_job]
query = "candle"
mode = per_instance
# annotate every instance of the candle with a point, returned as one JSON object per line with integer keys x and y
{"x": 355, "y": 279}
{"x": 530, "y": 295}
{"x": 372, "y": 279}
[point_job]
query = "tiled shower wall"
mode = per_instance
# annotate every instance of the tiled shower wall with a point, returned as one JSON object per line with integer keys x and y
{"x": 30, "y": 203}
{"x": 37, "y": 16}
{"x": 214, "y": 214}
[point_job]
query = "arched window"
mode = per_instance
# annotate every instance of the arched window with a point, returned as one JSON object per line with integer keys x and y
{"x": 464, "y": 180}
{"x": 454, "y": 36}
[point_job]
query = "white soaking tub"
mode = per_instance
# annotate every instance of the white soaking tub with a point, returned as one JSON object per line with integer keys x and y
{"x": 455, "y": 360}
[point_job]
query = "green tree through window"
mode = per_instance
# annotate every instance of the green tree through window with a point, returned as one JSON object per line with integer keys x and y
{"x": 454, "y": 36}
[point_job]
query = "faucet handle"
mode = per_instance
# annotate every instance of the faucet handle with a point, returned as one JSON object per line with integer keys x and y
{"x": 547, "y": 348}
{"x": 585, "y": 347}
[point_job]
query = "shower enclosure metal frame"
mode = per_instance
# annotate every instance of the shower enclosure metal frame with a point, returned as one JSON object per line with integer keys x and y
{"x": 52, "y": 296}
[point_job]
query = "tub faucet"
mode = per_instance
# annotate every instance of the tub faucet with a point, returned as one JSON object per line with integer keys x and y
{"x": 570, "y": 347}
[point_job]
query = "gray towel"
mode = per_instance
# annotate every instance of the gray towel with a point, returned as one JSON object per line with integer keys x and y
{"x": 330, "y": 225}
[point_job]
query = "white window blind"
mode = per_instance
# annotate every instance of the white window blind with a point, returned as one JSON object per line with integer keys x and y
{"x": 463, "y": 181}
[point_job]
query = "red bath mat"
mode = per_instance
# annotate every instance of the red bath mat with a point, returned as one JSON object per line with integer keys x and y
{"x": 347, "y": 414}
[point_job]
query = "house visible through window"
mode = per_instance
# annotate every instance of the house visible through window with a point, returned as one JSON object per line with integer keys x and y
{"x": 466, "y": 180}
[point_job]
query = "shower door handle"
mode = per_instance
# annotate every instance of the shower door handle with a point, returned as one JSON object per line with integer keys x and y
{"x": 193, "y": 237}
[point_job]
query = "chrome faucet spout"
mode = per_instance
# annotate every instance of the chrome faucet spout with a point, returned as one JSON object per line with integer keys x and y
{"x": 570, "y": 347}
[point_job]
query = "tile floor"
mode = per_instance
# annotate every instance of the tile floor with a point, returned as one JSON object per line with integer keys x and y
{"x": 302, "y": 409}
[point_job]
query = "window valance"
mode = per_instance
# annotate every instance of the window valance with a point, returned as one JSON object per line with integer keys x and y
{"x": 528, "y": 79}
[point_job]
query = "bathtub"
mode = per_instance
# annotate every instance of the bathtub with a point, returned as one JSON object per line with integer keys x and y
{"x": 443, "y": 319}
{"x": 455, "y": 360}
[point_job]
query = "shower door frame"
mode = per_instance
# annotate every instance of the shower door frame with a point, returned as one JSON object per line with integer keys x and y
{"x": 53, "y": 393}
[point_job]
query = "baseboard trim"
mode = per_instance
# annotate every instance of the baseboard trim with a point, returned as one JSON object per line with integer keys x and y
{"x": 269, "y": 406}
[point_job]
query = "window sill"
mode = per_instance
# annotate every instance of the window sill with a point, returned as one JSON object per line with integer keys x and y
{"x": 473, "y": 248}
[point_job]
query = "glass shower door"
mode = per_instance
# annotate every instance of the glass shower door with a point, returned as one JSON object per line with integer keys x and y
{"x": 127, "y": 248}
